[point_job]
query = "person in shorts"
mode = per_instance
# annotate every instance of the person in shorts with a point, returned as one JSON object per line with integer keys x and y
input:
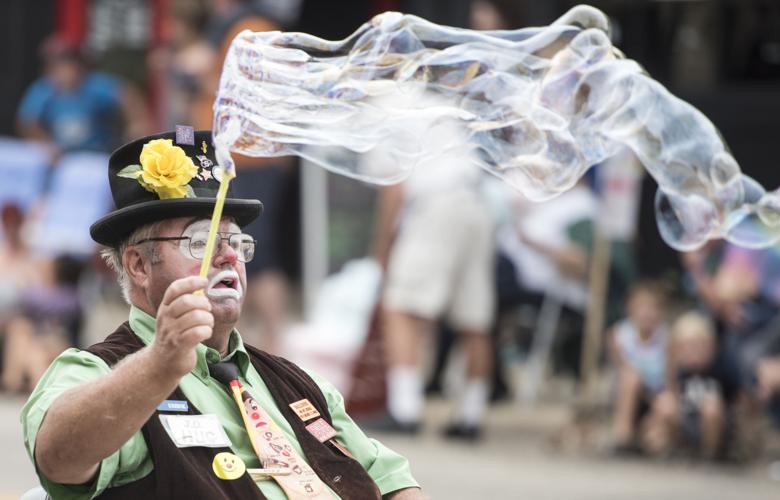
{"x": 436, "y": 240}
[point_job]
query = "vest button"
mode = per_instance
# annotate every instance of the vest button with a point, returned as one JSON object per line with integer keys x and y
{"x": 337, "y": 479}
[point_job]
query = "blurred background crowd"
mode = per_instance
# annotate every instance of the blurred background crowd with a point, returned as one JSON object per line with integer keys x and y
{"x": 485, "y": 296}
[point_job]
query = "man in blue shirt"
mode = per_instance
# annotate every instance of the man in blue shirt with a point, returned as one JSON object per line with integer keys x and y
{"x": 71, "y": 107}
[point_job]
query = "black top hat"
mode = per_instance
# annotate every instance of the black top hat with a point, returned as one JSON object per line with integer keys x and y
{"x": 167, "y": 184}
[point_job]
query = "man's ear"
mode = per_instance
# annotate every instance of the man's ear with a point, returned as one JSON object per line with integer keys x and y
{"x": 137, "y": 267}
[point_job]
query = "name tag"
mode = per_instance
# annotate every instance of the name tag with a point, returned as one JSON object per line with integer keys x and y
{"x": 195, "y": 430}
{"x": 173, "y": 405}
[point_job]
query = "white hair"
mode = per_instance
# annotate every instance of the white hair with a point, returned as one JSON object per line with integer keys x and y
{"x": 113, "y": 255}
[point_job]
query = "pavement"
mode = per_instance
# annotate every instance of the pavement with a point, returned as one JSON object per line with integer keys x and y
{"x": 16, "y": 473}
{"x": 521, "y": 458}
{"x": 517, "y": 459}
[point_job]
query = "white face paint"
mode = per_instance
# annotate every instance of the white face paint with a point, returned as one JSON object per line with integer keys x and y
{"x": 224, "y": 283}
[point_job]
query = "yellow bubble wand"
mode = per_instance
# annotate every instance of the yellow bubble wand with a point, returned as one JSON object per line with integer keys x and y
{"x": 226, "y": 172}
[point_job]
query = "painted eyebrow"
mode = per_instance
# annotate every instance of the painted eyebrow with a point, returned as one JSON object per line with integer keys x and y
{"x": 190, "y": 221}
{"x": 233, "y": 229}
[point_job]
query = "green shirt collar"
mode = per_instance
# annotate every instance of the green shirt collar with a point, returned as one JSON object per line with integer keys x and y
{"x": 143, "y": 325}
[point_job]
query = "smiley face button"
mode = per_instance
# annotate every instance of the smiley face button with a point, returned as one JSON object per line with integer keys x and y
{"x": 228, "y": 466}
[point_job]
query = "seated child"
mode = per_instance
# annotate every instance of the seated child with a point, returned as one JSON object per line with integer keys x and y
{"x": 47, "y": 322}
{"x": 638, "y": 348}
{"x": 693, "y": 409}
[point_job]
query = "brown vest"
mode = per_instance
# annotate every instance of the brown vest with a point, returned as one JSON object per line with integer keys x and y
{"x": 186, "y": 473}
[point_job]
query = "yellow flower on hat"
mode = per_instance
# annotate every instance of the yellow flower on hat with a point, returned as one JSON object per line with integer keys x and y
{"x": 165, "y": 169}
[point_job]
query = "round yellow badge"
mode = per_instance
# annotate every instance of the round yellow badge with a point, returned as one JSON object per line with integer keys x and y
{"x": 228, "y": 466}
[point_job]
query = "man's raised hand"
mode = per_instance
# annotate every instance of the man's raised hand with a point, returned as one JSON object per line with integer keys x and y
{"x": 183, "y": 321}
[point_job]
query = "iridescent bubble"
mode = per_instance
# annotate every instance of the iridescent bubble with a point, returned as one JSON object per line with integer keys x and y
{"x": 685, "y": 222}
{"x": 768, "y": 209}
{"x": 537, "y": 107}
{"x": 745, "y": 226}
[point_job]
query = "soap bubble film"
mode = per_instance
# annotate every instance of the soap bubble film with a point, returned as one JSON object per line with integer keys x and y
{"x": 537, "y": 107}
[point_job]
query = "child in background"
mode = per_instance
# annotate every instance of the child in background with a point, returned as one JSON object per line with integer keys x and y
{"x": 693, "y": 410}
{"x": 47, "y": 322}
{"x": 638, "y": 348}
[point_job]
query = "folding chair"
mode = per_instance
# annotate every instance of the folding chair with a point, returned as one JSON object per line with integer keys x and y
{"x": 23, "y": 168}
{"x": 78, "y": 195}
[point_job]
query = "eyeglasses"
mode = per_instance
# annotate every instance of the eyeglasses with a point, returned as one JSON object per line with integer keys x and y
{"x": 242, "y": 244}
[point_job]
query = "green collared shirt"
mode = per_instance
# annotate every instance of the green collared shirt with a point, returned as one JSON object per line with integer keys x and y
{"x": 132, "y": 462}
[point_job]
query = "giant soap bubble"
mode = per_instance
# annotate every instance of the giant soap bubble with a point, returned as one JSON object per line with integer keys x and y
{"x": 539, "y": 106}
